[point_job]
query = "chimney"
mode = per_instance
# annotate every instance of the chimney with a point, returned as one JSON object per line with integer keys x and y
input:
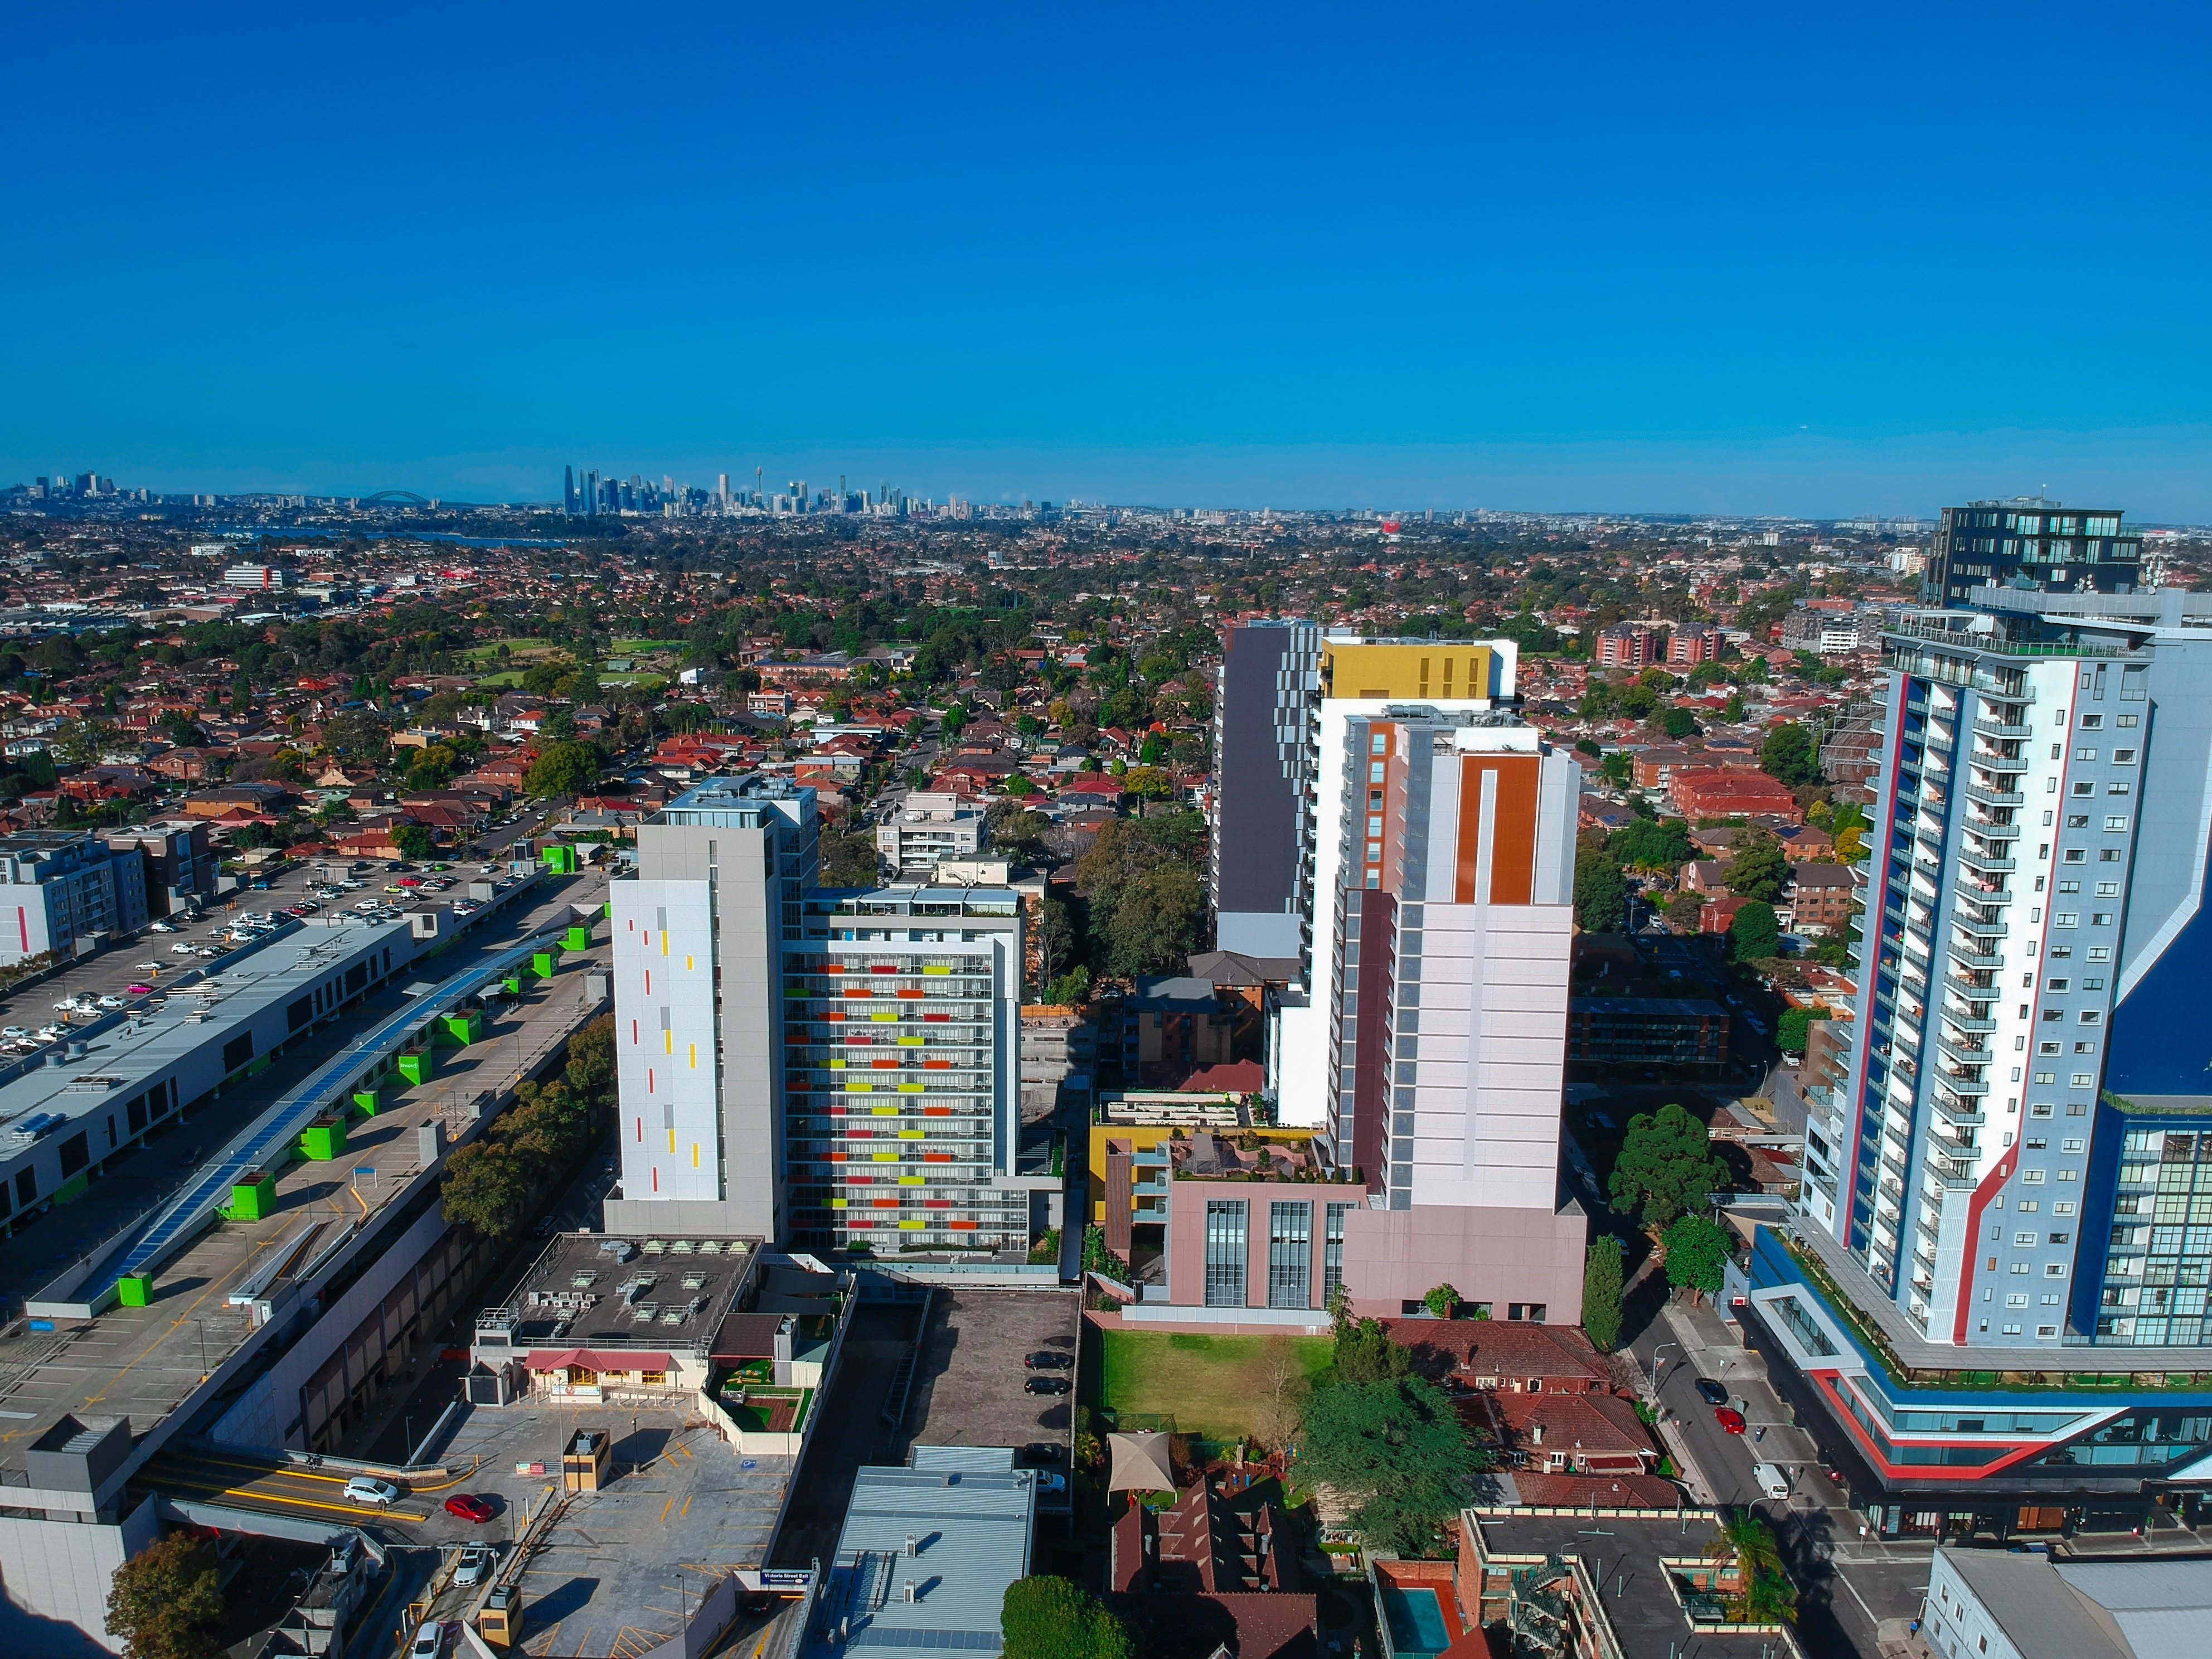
{"x": 1536, "y": 1433}
{"x": 912, "y": 1545}
{"x": 910, "y": 1594}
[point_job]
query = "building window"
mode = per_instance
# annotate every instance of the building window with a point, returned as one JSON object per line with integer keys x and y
{"x": 1226, "y": 1229}
{"x": 1290, "y": 1255}
{"x": 1332, "y": 1252}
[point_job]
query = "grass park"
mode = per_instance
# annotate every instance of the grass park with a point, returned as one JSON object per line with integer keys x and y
{"x": 1208, "y": 1386}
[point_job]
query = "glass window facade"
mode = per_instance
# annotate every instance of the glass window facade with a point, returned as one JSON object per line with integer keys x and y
{"x": 1290, "y": 1255}
{"x": 1226, "y": 1229}
{"x": 1332, "y": 1252}
{"x": 2158, "y": 1265}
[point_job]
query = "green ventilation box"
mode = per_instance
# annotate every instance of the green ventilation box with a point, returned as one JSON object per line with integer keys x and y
{"x": 514, "y": 983}
{"x": 578, "y": 938}
{"x": 365, "y": 1103}
{"x": 135, "y": 1291}
{"x": 418, "y": 1069}
{"x": 541, "y": 964}
{"x": 462, "y": 1029}
{"x": 560, "y": 861}
{"x": 321, "y": 1142}
{"x": 254, "y": 1201}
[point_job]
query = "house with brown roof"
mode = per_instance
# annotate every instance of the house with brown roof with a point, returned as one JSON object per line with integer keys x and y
{"x": 1560, "y": 1433}
{"x": 1208, "y": 1575}
{"x": 1509, "y": 1354}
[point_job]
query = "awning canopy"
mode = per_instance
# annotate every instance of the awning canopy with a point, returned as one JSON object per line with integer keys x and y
{"x": 1142, "y": 1462}
{"x": 599, "y": 1360}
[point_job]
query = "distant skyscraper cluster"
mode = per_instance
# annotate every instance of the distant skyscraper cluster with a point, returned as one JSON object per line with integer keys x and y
{"x": 586, "y": 495}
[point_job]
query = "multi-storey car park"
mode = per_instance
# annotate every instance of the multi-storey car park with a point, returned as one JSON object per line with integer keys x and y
{"x": 263, "y": 1308}
{"x": 1994, "y": 1305}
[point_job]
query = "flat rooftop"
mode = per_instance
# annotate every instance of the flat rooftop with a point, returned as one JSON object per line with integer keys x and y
{"x": 956, "y": 1528}
{"x": 179, "y": 1020}
{"x": 597, "y": 1291}
{"x": 145, "y": 1363}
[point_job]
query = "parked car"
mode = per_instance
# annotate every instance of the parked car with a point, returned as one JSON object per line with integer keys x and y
{"x": 469, "y": 1507}
{"x": 14, "y": 1032}
{"x": 429, "y": 1641}
{"x": 1049, "y": 1385}
{"x": 1711, "y": 1392}
{"x": 368, "y": 1489}
{"x": 140, "y": 990}
{"x": 1729, "y": 1419}
{"x": 1050, "y": 1482}
{"x": 163, "y": 927}
{"x": 1046, "y": 1360}
{"x": 111, "y": 1000}
{"x": 148, "y": 967}
{"x": 475, "y": 1562}
{"x": 1039, "y": 1453}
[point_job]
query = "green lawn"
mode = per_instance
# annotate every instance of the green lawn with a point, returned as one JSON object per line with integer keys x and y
{"x": 1207, "y": 1383}
{"x": 517, "y": 646}
{"x": 632, "y": 648}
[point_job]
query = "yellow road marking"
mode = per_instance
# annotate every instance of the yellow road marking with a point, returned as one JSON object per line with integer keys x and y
{"x": 666, "y": 1507}
{"x": 182, "y": 1319}
{"x": 685, "y": 1510}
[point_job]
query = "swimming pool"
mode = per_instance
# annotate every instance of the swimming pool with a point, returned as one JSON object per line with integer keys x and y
{"x": 1417, "y": 1621}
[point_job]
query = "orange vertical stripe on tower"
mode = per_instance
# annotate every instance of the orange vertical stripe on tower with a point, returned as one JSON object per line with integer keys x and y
{"x": 1513, "y": 830}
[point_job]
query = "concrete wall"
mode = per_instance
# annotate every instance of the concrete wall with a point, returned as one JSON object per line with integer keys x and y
{"x": 58, "y": 1575}
{"x": 1491, "y": 1254}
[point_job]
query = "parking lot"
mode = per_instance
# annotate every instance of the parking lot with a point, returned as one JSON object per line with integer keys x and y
{"x": 969, "y": 1389}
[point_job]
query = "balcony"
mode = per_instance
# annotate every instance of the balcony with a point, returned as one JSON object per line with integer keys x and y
{"x": 1987, "y": 863}
{"x": 1960, "y": 1053}
{"x": 1985, "y": 797}
{"x": 1949, "y": 1175}
{"x": 1968, "y": 1022}
{"x": 2004, "y": 729}
{"x": 1973, "y": 958}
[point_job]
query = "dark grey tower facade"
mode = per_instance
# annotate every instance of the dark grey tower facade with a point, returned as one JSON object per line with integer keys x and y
{"x": 1269, "y": 673}
{"x": 2032, "y": 544}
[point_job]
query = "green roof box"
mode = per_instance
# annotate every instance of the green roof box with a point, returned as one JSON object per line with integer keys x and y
{"x": 578, "y": 938}
{"x": 462, "y": 1029}
{"x": 560, "y": 861}
{"x": 135, "y": 1291}
{"x": 320, "y": 1142}
{"x": 541, "y": 964}
{"x": 365, "y": 1103}
{"x": 420, "y": 1068}
{"x": 254, "y": 1201}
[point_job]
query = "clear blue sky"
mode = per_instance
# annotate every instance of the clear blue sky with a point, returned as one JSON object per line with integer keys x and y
{"x": 1813, "y": 259}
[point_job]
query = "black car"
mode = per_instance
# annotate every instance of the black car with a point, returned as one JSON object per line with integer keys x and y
{"x": 1045, "y": 1360}
{"x": 1044, "y": 1453}
{"x": 1711, "y": 1392}
{"x": 1048, "y": 1385}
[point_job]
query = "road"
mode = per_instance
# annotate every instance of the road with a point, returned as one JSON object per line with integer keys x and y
{"x": 247, "y": 1482}
{"x": 1853, "y": 1590}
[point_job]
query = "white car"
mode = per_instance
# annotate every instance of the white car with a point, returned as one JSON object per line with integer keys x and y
{"x": 367, "y": 1489}
{"x": 13, "y": 1032}
{"x": 148, "y": 967}
{"x": 476, "y": 1562}
{"x": 49, "y": 1033}
{"x": 429, "y": 1641}
{"x": 163, "y": 927}
{"x": 111, "y": 1000}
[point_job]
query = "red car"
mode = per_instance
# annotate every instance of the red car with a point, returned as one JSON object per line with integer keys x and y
{"x": 475, "y": 1509}
{"x": 1728, "y": 1417}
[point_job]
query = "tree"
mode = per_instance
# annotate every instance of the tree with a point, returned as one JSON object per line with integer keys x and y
{"x": 1150, "y": 783}
{"x": 1364, "y": 1352}
{"x": 1282, "y": 1396}
{"x": 1678, "y": 722}
{"x": 1697, "y": 1251}
{"x": 1666, "y": 1164}
{"x": 1732, "y": 710}
{"x": 1617, "y": 766}
{"x": 1441, "y": 1300}
{"x": 1600, "y": 895}
{"x": 414, "y": 841}
{"x": 1755, "y": 934}
{"x": 357, "y": 739}
{"x": 1794, "y": 1029}
{"x": 1395, "y": 1452}
{"x": 1047, "y": 1618}
{"x": 1016, "y": 830}
{"x": 1655, "y": 844}
{"x": 563, "y": 768}
{"x": 1759, "y": 869}
{"x": 1766, "y": 1595}
{"x": 1687, "y": 911}
{"x": 1788, "y": 756}
{"x": 165, "y": 1602}
{"x": 1070, "y": 990}
{"x": 1055, "y": 939}
{"x": 1157, "y": 923}
{"x": 849, "y": 859}
{"x": 1601, "y": 1288}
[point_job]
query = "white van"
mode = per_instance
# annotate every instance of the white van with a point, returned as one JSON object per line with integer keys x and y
{"x": 1772, "y": 1480}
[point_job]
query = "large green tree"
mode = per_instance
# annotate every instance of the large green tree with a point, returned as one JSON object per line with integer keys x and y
{"x": 1788, "y": 756}
{"x": 1395, "y": 1452}
{"x": 1600, "y": 895}
{"x": 1759, "y": 869}
{"x": 1601, "y": 1284}
{"x": 1697, "y": 1251}
{"x": 357, "y": 739}
{"x": 1157, "y": 923}
{"x": 563, "y": 768}
{"x": 1044, "y": 1617}
{"x": 166, "y": 1602}
{"x": 1659, "y": 844}
{"x": 849, "y": 859}
{"x": 1755, "y": 934}
{"x": 1666, "y": 1165}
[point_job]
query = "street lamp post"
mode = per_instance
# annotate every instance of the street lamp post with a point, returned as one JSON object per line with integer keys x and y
{"x": 1658, "y": 1363}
